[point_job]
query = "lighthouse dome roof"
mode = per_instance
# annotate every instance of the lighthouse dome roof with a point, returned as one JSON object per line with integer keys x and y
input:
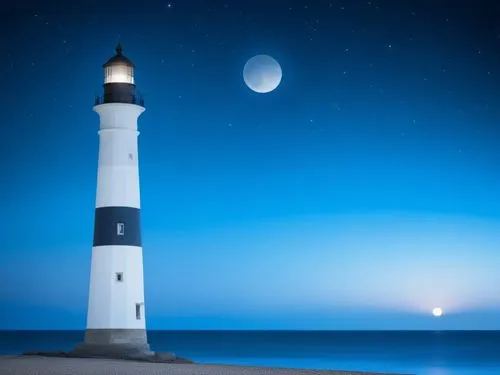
{"x": 119, "y": 59}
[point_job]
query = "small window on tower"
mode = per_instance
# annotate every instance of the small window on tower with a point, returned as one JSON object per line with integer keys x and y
{"x": 138, "y": 311}
{"x": 120, "y": 229}
{"x": 119, "y": 277}
{"x": 131, "y": 156}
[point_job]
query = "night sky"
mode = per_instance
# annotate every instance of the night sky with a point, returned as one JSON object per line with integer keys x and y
{"x": 360, "y": 194}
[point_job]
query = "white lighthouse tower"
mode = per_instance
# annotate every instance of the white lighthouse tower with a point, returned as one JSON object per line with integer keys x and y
{"x": 116, "y": 322}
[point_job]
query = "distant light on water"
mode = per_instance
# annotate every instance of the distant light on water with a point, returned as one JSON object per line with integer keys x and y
{"x": 437, "y": 312}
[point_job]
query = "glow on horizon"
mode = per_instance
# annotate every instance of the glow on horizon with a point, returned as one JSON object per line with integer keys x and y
{"x": 437, "y": 312}
{"x": 325, "y": 268}
{"x": 397, "y": 262}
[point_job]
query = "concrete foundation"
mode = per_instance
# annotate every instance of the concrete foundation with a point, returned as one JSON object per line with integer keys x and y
{"x": 116, "y": 336}
{"x": 113, "y": 343}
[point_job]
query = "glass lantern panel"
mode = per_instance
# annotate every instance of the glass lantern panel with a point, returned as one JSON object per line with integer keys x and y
{"x": 119, "y": 74}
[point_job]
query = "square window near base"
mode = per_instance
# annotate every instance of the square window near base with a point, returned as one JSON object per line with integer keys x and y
{"x": 119, "y": 276}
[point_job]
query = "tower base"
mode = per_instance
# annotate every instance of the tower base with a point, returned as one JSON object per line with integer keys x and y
{"x": 112, "y": 351}
{"x": 125, "y": 344}
{"x": 114, "y": 343}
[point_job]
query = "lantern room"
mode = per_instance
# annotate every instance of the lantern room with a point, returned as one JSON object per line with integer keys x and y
{"x": 119, "y": 69}
{"x": 119, "y": 83}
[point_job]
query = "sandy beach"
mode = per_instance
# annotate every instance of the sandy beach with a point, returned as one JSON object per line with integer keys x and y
{"x": 34, "y": 365}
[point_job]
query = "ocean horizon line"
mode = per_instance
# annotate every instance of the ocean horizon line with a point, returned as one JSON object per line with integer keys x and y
{"x": 264, "y": 330}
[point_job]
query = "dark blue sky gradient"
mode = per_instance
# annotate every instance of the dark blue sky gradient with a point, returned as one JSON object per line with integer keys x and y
{"x": 360, "y": 194}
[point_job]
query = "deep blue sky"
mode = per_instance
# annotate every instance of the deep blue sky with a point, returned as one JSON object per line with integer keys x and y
{"x": 360, "y": 194}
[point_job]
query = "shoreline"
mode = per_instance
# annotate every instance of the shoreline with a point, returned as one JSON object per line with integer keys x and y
{"x": 42, "y": 365}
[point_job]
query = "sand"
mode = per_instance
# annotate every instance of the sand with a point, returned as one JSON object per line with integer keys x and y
{"x": 35, "y": 365}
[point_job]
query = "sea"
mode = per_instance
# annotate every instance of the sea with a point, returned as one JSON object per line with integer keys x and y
{"x": 404, "y": 352}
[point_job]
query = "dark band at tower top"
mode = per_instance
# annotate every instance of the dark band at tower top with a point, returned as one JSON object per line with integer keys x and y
{"x": 119, "y": 83}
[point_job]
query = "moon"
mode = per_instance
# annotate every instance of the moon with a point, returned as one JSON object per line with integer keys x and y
{"x": 262, "y": 74}
{"x": 437, "y": 312}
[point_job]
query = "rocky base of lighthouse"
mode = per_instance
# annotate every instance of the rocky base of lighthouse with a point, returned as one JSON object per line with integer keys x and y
{"x": 126, "y": 344}
{"x": 114, "y": 352}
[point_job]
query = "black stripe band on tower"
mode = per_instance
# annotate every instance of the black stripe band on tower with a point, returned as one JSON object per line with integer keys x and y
{"x": 117, "y": 226}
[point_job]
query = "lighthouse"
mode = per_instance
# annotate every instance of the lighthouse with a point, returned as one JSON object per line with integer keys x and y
{"x": 116, "y": 323}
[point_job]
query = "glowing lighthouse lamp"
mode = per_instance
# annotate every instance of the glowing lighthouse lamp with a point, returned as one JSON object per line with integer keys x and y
{"x": 116, "y": 316}
{"x": 119, "y": 69}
